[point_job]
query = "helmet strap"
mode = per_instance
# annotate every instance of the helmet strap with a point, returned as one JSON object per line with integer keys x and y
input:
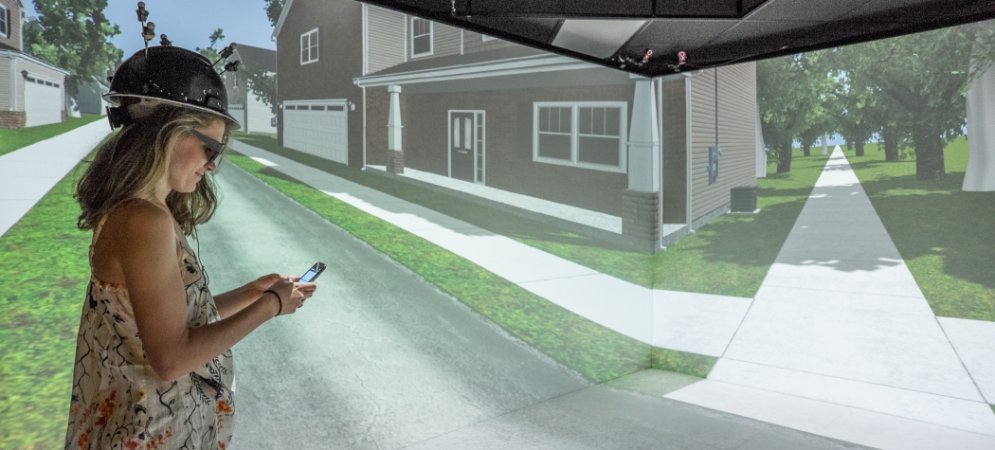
{"x": 117, "y": 116}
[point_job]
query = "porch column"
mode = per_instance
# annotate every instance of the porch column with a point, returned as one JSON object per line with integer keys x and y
{"x": 395, "y": 153}
{"x": 980, "y": 173}
{"x": 640, "y": 202}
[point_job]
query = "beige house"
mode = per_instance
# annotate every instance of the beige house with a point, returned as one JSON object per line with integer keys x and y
{"x": 32, "y": 92}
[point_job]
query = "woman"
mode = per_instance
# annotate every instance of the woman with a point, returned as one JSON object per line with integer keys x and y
{"x": 153, "y": 360}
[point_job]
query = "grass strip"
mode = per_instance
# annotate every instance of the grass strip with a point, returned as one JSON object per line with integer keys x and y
{"x": 14, "y": 138}
{"x": 943, "y": 233}
{"x": 682, "y": 362}
{"x": 44, "y": 261}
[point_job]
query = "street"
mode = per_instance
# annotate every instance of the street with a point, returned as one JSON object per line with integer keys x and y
{"x": 377, "y": 358}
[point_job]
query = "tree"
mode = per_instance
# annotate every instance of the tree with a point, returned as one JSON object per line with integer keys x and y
{"x": 788, "y": 90}
{"x": 925, "y": 75}
{"x": 211, "y": 52}
{"x": 262, "y": 84}
{"x": 818, "y": 126}
{"x": 273, "y": 10}
{"x": 74, "y": 35}
{"x": 856, "y": 111}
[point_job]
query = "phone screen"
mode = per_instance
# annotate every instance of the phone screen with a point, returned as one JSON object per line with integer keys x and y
{"x": 313, "y": 272}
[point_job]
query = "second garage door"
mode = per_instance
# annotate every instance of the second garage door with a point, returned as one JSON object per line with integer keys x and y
{"x": 317, "y": 127}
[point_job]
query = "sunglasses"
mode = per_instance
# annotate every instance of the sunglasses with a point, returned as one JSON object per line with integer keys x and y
{"x": 213, "y": 148}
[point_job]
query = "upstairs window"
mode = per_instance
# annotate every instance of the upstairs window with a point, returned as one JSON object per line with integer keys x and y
{"x": 421, "y": 37}
{"x": 309, "y": 47}
{"x": 4, "y": 21}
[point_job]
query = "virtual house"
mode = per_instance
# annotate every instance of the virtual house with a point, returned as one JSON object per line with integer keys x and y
{"x": 644, "y": 160}
{"x": 32, "y": 92}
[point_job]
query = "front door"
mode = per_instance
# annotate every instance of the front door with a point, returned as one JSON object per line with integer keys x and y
{"x": 466, "y": 145}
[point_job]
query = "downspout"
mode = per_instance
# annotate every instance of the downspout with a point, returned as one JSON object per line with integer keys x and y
{"x": 689, "y": 140}
{"x": 366, "y": 70}
{"x": 659, "y": 111}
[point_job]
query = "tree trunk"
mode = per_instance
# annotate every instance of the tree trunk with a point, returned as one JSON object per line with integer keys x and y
{"x": 806, "y": 149}
{"x": 784, "y": 158}
{"x": 890, "y": 136}
{"x": 860, "y": 148}
{"x": 929, "y": 151}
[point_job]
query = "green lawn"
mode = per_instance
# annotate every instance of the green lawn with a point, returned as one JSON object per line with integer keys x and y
{"x": 43, "y": 262}
{"x": 944, "y": 234}
{"x": 14, "y": 138}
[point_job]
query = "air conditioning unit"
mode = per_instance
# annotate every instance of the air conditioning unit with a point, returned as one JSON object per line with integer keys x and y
{"x": 743, "y": 199}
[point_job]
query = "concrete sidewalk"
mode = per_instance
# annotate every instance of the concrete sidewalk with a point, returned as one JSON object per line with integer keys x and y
{"x": 27, "y": 174}
{"x": 838, "y": 342}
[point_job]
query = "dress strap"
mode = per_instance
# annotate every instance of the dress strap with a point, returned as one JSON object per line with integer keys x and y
{"x": 96, "y": 234}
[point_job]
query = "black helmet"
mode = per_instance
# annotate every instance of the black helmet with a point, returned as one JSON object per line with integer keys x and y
{"x": 171, "y": 75}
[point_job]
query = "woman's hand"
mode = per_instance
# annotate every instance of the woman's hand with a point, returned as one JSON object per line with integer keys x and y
{"x": 291, "y": 290}
{"x": 304, "y": 288}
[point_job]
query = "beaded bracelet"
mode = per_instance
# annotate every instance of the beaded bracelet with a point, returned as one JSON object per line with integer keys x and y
{"x": 278, "y": 299}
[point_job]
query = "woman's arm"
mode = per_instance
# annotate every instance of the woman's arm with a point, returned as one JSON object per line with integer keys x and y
{"x": 147, "y": 253}
{"x": 235, "y": 300}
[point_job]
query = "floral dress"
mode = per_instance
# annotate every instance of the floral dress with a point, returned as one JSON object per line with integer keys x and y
{"x": 118, "y": 402}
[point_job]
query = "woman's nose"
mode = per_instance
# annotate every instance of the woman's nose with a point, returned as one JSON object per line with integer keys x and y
{"x": 211, "y": 166}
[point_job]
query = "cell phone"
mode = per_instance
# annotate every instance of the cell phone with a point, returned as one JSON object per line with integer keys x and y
{"x": 313, "y": 272}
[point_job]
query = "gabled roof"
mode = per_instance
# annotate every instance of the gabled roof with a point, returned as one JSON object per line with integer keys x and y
{"x": 499, "y": 62}
{"x": 646, "y": 36}
{"x": 498, "y": 54}
{"x": 262, "y": 58}
{"x": 283, "y": 16}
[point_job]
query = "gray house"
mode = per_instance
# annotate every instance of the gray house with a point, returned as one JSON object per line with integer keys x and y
{"x": 643, "y": 160}
{"x": 90, "y": 98}
{"x": 243, "y": 104}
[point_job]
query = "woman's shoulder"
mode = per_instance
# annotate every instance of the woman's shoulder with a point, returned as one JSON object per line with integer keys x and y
{"x": 137, "y": 217}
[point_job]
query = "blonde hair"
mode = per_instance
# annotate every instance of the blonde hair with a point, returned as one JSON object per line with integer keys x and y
{"x": 128, "y": 163}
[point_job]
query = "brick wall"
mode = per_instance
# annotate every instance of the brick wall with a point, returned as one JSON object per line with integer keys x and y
{"x": 13, "y": 119}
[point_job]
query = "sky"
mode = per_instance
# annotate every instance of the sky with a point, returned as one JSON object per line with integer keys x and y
{"x": 188, "y": 23}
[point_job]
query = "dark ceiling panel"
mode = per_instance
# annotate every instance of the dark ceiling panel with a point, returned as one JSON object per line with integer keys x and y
{"x": 520, "y": 7}
{"x": 698, "y": 8}
{"x": 669, "y": 37}
{"x": 712, "y": 32}
{"x": 813, "y": 11}
{"x": 534, "y": 30}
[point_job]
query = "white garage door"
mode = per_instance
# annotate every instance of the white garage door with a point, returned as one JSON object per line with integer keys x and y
{"x": 42, "y": 101}
{"x": 317, "y": 127}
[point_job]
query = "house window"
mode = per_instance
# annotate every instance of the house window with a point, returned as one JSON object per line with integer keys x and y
{"x": 421, "y": 37}
{"x": 585, "y": 134}
{"x": 4, "y": 21}
{"x": 309, "y": 47}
